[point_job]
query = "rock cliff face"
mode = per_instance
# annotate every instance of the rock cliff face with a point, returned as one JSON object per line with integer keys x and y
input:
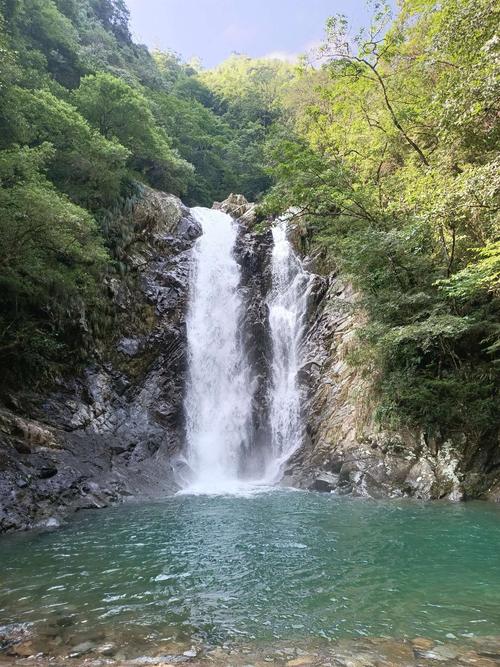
{"x": 346, "y": 451}
{"x": 111, "y": 432}
{"x": 253, "y": 253}
{"x": 115, "y": 430}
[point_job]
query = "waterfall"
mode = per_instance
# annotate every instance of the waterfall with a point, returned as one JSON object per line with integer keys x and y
{"x": 218, "y": 402}
{"x": 219, "y": 392}
{"x": 287, "y": 314}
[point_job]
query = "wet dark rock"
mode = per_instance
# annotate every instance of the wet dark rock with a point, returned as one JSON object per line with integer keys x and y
{"x": 110, "y": 433}
{"x": 47, "y": 473}
{"x": 325, "y": 481}
{"x": 253, "y": 252}
{"x": 129, "y": 346}
{"x": 188, "y": 229}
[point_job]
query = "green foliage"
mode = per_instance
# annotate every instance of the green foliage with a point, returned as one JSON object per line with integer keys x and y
{"x": 478, "y": 277}
{"x": 43, "y": 37}
{"x": 50, "y": 260}
{"x": 393, "y": 166}
{"x": 249, "y": 95}
{"x": 204, "y": 140}
{"x": 120, "y": 112}
{"x": 86, "y": 116}
{"x": 86, "y": 165}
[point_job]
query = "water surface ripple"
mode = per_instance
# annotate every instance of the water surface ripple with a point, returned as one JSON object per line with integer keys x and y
{"x": 269, "y": 566}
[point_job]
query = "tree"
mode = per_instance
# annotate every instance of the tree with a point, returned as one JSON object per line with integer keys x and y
{"x": 87, "y": 166}
{"x": 43, "y": 35}
{"x": 114, "y": 15}
{"x": 393, "y": 167}
{"x": 120, "y": 112}
{"x": 50, "y": 260}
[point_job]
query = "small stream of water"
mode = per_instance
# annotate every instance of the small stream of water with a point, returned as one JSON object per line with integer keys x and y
{"x": 287, "y": 317}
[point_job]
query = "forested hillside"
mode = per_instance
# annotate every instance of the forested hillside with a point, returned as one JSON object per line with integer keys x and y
{"x": 86, "y": 117}
{"x": 392, "y": 165}
{"x": 386, "y": 146}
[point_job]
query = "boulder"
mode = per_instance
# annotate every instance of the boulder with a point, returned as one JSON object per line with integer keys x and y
{"x": 239, "y": 208}
{"x": 325, "y": 481}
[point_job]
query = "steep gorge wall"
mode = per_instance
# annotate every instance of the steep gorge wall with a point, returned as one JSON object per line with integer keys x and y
{"x": 346, "y": 450}
{"x": 116, "y": 430}
{"x": 112, "y": 431}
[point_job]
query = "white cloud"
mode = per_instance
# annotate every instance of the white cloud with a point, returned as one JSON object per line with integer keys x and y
{"x": 310, "y": 50}
{"x": 282, "y": 55}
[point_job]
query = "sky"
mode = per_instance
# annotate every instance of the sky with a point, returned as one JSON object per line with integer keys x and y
{"x": 213, "y": 29}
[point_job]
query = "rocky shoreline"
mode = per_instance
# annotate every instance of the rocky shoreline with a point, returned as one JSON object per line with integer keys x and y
{"x": 363, "y": 652}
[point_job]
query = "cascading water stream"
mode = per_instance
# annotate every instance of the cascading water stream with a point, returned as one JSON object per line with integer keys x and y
{"x": 220, "y": 390}
{"x": 287, "y": 313}
{"x": 219, "y": 398}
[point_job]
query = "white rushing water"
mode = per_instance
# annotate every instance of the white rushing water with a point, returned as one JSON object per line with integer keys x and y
{"x": 219, "y": 398}
{"x": 287, "y": 313}
{"x": 218, "y": 402}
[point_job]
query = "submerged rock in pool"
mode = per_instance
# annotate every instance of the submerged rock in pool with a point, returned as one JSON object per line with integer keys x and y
{"x": 107, "y": 650}
{"x": 82, "y": 649}
{"x": 366, "y": 652}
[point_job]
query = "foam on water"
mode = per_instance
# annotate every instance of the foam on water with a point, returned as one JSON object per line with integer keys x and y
{"x": 220, "y": 390}
{"x": 287, "y": 309}
{"x": 219, "y": 396}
